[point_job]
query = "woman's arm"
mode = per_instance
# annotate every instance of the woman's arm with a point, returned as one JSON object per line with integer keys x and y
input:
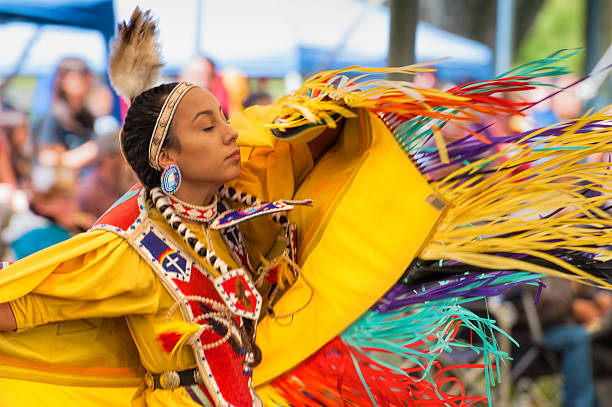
{"x": 7, "y": 319}
{"x": 53, "y": 154}
{"x": 319, "y": 145}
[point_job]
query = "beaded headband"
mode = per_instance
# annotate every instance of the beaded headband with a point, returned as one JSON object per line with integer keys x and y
{"x": 163, "y": 122}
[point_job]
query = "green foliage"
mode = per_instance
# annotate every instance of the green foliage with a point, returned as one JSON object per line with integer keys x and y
{"x": 559, "y": 24}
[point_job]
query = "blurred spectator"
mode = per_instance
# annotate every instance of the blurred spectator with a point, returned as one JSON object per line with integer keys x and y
{"x": 52, "y": 216}
{"x": 563, "y": 106}
{"x": 426, "y": 80}
{"x": 100, "y": 103}
{"x": 237, "y": 86}
{"x": 12, "y": 201}
{"x": 64, "y": 135}
{"x": 590, "y": 305}
{"x": 567, "y": 105}
{"x": 542, "y": 114}
{"x": 7, "y": 175}
{"x": 16, "y": 131}
{"x": 201, "y": 71}
{"x": 108, "y": 179}
{"x": 563, "y": 334}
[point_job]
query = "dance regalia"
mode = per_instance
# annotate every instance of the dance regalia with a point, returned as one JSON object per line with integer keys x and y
{"x": 389, "y": 251}
{"x": 133, "y": 263}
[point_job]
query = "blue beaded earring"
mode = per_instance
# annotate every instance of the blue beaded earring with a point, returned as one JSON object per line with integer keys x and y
{"x": 171, "y": 179}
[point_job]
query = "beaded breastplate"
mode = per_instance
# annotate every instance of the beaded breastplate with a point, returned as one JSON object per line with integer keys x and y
{"x": 220, "y": 305}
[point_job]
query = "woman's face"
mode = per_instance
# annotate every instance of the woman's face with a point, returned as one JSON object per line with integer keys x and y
{"x": 208, "y": 154}
{"x": 76, "y": 84}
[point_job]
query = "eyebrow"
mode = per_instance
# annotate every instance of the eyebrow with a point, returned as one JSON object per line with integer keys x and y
{"x": 208, "y": 112}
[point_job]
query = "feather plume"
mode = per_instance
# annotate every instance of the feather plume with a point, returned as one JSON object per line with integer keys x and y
{"x": 135, "y": 60}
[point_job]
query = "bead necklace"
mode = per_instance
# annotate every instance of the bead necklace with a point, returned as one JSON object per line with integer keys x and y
{"x": 193, "y": 212}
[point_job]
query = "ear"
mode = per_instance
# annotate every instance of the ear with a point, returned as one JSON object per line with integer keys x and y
{"x": 166, "y": 158}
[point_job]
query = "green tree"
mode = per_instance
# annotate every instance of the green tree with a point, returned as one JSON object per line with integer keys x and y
{"x": 559, "y": 24}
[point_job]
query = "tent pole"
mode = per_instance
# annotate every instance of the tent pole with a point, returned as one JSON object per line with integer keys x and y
{"x": 503, "y": 35}
{"x": 404, "y": 15}
{"x": 198, "y": 28}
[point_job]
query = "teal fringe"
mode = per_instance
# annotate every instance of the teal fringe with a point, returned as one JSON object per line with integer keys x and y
{"x": 421, "y": 332}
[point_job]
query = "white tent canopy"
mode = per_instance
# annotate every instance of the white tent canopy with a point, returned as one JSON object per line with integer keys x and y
{"x": 266, "y": 38}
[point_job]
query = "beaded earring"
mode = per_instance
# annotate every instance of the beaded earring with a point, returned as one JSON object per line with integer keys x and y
{"x": 171, "y": 179}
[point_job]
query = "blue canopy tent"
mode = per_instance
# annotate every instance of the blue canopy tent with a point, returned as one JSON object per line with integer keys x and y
{"x": 93, "y": 14}
{"x": 96, "y": 15}
{"x": 267, "y": 38}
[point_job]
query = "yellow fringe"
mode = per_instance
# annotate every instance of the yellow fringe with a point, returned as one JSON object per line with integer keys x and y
{"x": 492, "y": 205}
{"x": 300, "y": 107}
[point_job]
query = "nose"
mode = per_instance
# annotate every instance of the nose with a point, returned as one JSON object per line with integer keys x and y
{"x": 231, "y": 135}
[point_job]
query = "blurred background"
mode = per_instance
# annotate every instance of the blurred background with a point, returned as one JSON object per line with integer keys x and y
{"x": 60, "y": 164}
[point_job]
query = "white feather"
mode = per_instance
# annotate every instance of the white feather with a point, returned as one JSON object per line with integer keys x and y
{"x": 135, "y": 61}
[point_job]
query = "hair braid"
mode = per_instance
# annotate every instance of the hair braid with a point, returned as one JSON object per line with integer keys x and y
{"x": 138, "y": 130}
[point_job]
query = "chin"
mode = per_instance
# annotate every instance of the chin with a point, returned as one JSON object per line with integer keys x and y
{"x": 233, "y": 173}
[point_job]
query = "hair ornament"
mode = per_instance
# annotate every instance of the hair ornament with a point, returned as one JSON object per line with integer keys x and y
{"x": 134, "y": 60}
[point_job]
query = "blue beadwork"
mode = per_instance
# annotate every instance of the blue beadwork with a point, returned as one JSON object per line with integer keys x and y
{"x": 170, "y": 179}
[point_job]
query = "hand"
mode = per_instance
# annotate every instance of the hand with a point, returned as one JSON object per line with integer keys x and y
{"x": 324, "y": 141}
{"x": 586, "y": 311}
{"x": 604, "y": 301}
{"x": 80, "y": 156}
{"x": 7, "y": 318}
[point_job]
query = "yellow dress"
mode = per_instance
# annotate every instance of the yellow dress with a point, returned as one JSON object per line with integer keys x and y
{"x": 85, "y": 287}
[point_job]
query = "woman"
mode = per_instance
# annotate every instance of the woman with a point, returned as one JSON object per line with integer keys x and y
{"x": 172, "y": 130}
{"x": 65, "y": 134}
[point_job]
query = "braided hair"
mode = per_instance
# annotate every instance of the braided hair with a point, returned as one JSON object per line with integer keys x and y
{"x": 138, "y": 130}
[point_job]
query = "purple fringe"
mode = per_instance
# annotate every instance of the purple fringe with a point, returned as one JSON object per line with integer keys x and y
{"x": 470, "y": 149}
{"x": 468, "y": 285}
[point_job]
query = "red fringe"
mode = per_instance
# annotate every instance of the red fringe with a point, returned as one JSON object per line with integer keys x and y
{"x": 330, "y": 378}
{"x": 168, "y": 340}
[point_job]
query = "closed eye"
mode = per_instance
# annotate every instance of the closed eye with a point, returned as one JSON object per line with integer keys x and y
{"x": 209, "y": 128}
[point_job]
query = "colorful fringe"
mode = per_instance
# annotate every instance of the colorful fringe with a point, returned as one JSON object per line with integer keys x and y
{"x": 349, "y": 371}
{"x": 412, "y": 114}
{"x": 468, "y": 285}
{"x": 535, "y": 206}
{"x": 506, "y": 206}
{"x": 551, "y": 211}
{"x": 416, "y": 324}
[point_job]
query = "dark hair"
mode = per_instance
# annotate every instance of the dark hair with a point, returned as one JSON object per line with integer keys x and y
{"x": 138, "y": 129}
{"x": 78, "y": 122}
{"x": 66, "y": 65}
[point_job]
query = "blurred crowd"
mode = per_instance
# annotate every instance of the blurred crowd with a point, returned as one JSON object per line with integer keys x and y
{"x": 62, "y": 170}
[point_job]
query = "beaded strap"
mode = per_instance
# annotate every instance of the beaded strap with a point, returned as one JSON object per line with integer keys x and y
{"x": 248, "y": 199}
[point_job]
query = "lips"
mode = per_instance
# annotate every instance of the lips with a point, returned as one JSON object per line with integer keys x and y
{"x": 234, "y": 156}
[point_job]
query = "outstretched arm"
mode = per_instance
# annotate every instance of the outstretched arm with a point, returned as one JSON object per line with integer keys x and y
{"x": 7, "y": 319}
{"x": 319, "y": 145}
